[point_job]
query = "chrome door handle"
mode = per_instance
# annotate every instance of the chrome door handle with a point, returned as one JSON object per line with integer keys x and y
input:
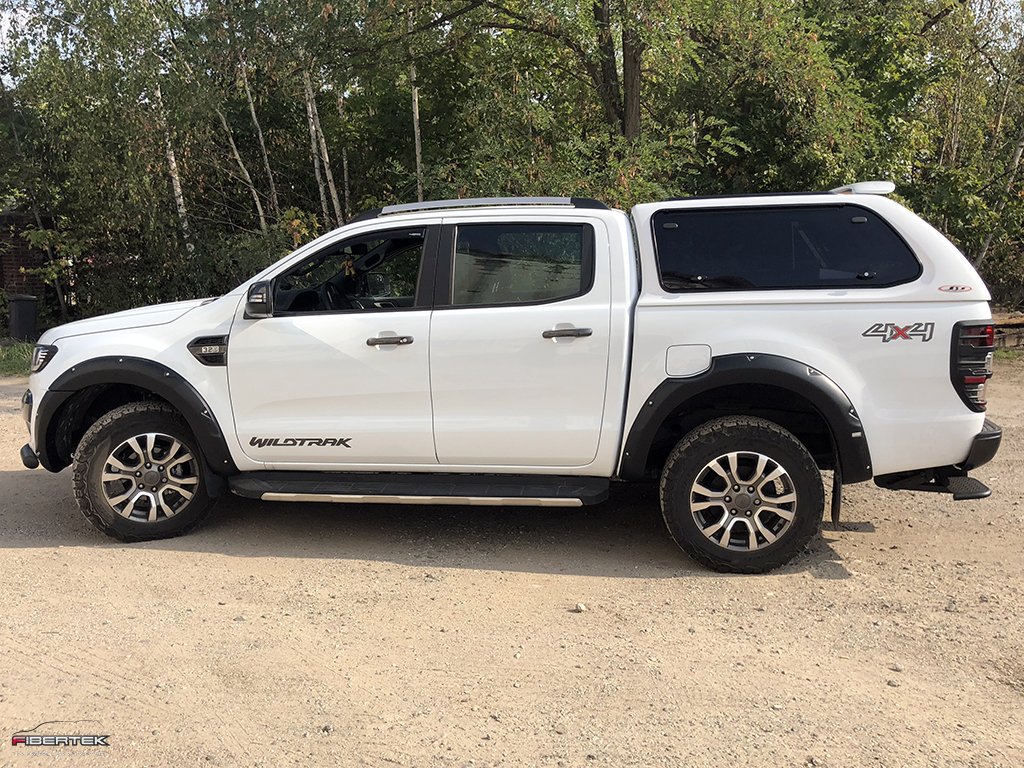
{"x": 573, "y": 333}
{"x": 381, "y": 341}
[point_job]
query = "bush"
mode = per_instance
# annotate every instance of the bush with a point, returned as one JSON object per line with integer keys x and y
{"x": 129, "y": 276}
{"x": 15, "y": 357}
{"x": 1004, "y": 273}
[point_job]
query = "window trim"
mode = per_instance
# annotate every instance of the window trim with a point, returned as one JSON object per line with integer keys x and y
{"x": 838, "y": 204}
{"x": 424, "y": 281}
{"x": 444, "y": 274}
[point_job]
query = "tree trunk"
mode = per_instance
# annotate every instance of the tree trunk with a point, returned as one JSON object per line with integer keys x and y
{"x": 274, "y": 205}
{"x": 416, "y": 118}
{"x": 997, "y": 129}
{"x": 243, "y": 170}
{"x": 345, "y": 189}
{"x": 172, "y": 168}
{"x": 316, "y": 152}
{"x": 322, "y": 142}
{"x": 1011, "y": 176}
{"x": 952, "y": 146}
{"x": 632, "y": 53}
{"x": 607, "y": 80}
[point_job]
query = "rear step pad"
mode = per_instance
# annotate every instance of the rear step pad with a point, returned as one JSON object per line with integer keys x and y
{"x": 964, "y": 488}
{"x": 424, "y": 488}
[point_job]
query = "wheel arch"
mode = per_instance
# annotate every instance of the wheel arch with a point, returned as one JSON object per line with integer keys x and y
{"x": 88, "y": 390}
{"x": 793, "y": 394}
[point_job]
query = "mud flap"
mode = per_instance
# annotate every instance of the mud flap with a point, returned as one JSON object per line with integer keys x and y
{"x": 837, "y": 493}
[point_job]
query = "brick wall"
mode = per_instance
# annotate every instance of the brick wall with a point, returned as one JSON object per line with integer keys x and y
{"x": 15, "y": 255}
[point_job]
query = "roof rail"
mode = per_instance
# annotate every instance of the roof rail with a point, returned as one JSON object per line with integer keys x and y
{"x": 480, "y": 202}
{"x": 866, "y": 188}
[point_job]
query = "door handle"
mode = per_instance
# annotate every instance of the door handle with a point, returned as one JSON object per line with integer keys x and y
{"x": 381, "y": 341}
{"x": 561, "y": 333}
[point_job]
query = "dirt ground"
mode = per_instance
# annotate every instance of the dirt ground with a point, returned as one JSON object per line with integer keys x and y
{"x": 285, "y": 634}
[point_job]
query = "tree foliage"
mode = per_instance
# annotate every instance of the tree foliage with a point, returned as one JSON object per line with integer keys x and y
{"x": 170, "y": 149}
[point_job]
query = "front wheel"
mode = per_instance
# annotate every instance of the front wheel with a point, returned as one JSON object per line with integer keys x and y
{"x": 741, "y": 494}
{"x": 138, "y": 474}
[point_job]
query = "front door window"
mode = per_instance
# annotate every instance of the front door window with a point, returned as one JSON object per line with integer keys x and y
{"x": 377, "y": 271}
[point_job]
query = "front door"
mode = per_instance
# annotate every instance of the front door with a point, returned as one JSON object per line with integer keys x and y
{"x": 519, "y": 343}
{"x": 339, "y": 375}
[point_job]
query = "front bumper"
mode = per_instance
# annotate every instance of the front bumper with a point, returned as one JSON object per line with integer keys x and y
{"x": 26, "y": 408}
{"x": 28, "y": 457}
{"x": 954, "y": 478}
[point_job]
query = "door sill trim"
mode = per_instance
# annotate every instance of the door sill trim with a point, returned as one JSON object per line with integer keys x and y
{"x": 473, "y": 501}
{"x": 421, "y": 488}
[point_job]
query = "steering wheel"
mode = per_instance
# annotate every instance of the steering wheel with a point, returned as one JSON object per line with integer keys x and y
{"x": 333, "y": 298}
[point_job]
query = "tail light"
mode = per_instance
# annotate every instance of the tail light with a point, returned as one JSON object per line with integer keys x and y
{"x": 970, "y": 364}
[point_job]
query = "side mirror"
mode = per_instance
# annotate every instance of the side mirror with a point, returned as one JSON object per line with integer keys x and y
{"x": 259, "y": 303}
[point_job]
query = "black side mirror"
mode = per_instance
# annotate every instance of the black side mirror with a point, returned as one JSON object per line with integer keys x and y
{"x": 259, "y": 303}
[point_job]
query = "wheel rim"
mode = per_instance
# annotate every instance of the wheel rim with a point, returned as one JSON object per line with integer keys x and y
{"x": 150, "y": 477}
{"x": 743, "y": 501}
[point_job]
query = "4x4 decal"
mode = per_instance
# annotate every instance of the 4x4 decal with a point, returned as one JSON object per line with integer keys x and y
{"x": 891, "y": 331}
{"x": 292, "y": 442}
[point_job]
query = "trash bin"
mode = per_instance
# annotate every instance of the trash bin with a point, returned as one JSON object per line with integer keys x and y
{"x": 23, "y": 316}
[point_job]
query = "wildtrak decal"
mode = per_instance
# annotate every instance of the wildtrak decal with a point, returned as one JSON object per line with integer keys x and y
{"x": 298, "y": 442}
{"x": 891, "y": 331}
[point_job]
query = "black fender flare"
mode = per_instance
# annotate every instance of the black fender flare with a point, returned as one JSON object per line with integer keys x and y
{"x": 827, "y": 398}
{"x": 144, "y": 374}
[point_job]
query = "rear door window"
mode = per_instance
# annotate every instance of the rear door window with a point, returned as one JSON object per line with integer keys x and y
{"x": 824, "y": 246}
{"x": 500, "y": 264}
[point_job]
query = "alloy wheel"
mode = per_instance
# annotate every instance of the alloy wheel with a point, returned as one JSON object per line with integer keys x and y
{"x": 743, "y": 500}
{"x": 150, "y": 477}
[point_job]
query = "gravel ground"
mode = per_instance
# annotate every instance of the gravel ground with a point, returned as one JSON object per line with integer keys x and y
{"x": 311, "y": 634}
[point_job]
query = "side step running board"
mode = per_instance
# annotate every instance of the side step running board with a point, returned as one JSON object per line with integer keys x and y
{"x": 962, "y": 487}
{"x": 421, "y": 488}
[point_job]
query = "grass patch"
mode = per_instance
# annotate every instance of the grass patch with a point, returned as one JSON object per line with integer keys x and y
{"x": 1009, "y": 353}
{"x": 15, "y": 358}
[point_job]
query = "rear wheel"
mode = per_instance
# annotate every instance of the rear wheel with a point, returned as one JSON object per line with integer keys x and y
{"x": 741, "y": 494}
{"x": 138, "y": 474}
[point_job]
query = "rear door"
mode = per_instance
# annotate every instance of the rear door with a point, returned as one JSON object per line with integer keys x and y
{"x": 519, "y": 342}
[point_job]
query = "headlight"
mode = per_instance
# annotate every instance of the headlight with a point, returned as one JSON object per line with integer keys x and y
{"x": 41, "y": 355}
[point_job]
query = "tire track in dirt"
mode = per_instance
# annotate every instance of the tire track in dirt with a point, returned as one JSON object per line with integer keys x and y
{"x": 45, "y": 661}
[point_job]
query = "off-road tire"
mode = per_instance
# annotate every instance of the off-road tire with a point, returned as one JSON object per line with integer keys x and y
{"x": 719, "y": 437}
{"x": 92, "y": 452}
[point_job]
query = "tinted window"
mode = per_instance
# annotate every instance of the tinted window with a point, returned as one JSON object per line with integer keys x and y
{"x": 836, "y": 246}
{"x": 520, "y": 263}
{"x": 374, "y": 271}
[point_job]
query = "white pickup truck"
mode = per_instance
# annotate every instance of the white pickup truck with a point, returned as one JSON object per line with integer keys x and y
{"x": 531, "y": 351}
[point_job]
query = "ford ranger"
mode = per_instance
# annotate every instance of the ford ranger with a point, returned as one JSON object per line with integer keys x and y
{"x": 531, "y": 351}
